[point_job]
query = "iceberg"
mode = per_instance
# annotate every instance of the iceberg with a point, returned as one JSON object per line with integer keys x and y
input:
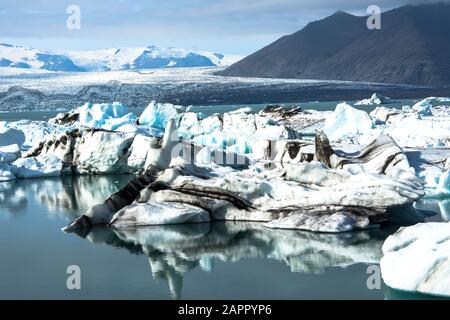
{"x": 417, "y": 259}
{"x": 34, "y": 167}
{"x": 347, "y": 121}
{"x": 157, "y": 115}
{"x": 423, "y": 108}
{"x": 375, "y": 99}
{"x": 289, "y": 196}
{"x": 158, "y": 214}
{"x": 11, "y": 136}
{"x": 108, "y": 116}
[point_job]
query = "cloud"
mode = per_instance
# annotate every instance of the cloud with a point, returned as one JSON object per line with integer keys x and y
{"x": 233, "y": 26}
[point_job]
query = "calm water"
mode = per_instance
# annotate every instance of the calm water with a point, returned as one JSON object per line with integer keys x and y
{"x": 197, "y": 261}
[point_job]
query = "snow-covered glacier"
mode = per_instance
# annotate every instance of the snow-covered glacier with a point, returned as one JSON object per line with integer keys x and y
{"x": 114, "y": 59}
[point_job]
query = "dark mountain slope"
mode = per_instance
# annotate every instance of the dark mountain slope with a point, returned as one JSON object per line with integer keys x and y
{"x": 412, "y": 47}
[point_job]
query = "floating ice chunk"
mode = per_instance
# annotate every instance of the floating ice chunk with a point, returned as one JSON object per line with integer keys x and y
{"x": 157, "y": 115}
{"x": 382, "y": 114}
{"x": 211, "y": 124}
{"x": 145, "y": 214}
{"x": 417, "y": 259}
{"x": 125, "y": 123}
{"x": 374, "y": 99}
{"x": 241, "y": 146}
{"x": 6, "y": 173}
{"x": 103, "y": 152}
{"x": 105, "y": 115}
{"x": 34, "y": 131}
{"x": 12, "y": 149}
{"x": 423, "y": 108}
{"x": 242, "y": 110}
{"x": 347, "y": 121}
{"x": 190, "y": 126}
{"x": 41, "y": 166}
{"x": 6, "y": 157}
{"x": 139, "y": 150}
{"x": 9, "y": 136}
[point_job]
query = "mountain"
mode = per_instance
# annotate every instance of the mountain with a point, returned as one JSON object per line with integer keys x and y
{"x": 109, "y": 59}
{"x": 412, "y": 47}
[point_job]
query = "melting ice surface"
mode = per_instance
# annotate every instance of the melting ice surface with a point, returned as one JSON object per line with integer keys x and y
{"x": 196, "y": 261}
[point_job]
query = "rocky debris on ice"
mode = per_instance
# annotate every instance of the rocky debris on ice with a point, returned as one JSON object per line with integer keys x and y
{"x": 375, "y": 99}
{"x": 417, "y": 259}
{"x": 306, "y": 122}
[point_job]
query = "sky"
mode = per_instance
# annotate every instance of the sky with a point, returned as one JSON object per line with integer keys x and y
{"x": 225, "y": 26}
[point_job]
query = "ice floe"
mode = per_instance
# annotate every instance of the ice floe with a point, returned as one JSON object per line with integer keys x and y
{"x": 417, "y": 259}
{"x": 375, "y": 99}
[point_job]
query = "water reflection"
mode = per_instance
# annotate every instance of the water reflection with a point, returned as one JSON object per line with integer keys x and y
{"x": 65, "y": 196}
{"x": 175, "y": 250}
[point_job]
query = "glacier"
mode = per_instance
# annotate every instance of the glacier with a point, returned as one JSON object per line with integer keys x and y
{"x": 113, "y": 59}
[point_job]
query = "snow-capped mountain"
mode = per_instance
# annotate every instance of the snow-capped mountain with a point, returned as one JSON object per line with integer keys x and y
{"x": 110, "y": 59}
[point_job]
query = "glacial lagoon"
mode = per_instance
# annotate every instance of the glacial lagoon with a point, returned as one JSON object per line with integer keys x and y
{"x": 220, "y": 260}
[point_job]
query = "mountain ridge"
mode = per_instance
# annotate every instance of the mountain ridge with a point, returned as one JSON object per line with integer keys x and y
{"x": 412, "y": 47}
{"x": 113, "y": 59}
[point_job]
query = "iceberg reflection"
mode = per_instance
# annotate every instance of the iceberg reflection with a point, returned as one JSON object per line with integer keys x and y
{"x": 64, "y": 196}
{"x": 175, "y": 250}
